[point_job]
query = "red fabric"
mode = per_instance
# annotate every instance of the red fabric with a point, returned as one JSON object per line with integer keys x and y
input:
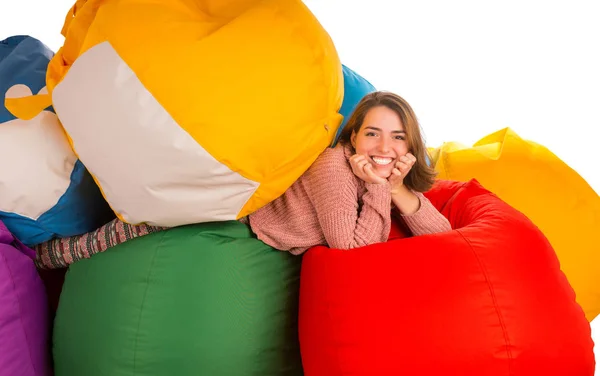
{"x": 487, "y": 298}
{"x": 398, "y": 229}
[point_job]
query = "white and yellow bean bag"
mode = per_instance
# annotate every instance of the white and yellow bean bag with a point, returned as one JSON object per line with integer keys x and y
{"x": 188, "y": 111}
{"x": 536, "y": 182}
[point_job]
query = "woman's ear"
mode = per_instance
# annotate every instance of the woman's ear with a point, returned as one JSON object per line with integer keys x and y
{"x": 353, "y": 139}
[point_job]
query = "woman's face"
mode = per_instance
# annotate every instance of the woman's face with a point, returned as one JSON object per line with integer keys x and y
{"x": 382, "y": 139}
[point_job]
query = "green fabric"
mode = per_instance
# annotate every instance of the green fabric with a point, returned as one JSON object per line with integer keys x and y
{"x": 206, "y": 299}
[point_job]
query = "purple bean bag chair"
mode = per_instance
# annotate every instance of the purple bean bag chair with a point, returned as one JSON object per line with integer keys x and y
{"x": 24, "y": 320}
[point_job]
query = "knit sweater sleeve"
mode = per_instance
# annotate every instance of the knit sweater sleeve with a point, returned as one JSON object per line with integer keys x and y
{"x": 62, "y": 252}
{"x": 426, "y": 220}
{"x": 333, "y": 189}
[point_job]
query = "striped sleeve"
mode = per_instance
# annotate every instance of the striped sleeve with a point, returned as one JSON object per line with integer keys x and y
{"x": 62, "y": 252}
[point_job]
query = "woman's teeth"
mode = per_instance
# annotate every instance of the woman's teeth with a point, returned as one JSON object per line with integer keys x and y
{"x": 382, "y": 161}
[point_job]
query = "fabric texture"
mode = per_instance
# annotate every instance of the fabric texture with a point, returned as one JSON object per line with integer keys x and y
{"x": 24, "y": 316}
{"x": 265, "y": 72}
{"x": 62, "y": 252}
{"x": 488, "y": 298}
{"x": 355, "y": 88}
{"x": 207, "y": 299}
{"x": 45, "y": 191}
{"x": 533, "y": 180}
{"x": 329, "y": 205}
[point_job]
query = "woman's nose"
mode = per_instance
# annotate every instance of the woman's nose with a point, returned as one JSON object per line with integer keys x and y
{"x": 384, "y": 146}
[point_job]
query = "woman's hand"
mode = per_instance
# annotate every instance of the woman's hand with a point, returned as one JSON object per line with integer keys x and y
{"x": 403, "y": 198}
{"x": 402, "y": 168}
{"x": 364, "y": 170}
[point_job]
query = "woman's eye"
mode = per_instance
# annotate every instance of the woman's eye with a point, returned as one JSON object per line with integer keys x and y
{"x": 399, "y": 137}
{"x": 369, "y": 134}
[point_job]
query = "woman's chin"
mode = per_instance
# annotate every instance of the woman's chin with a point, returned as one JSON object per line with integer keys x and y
{"x": 382, "y": 171}
{"x": 383, "y": 174}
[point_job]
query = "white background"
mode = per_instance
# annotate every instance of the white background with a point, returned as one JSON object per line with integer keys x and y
{"x": 468, "y": 68}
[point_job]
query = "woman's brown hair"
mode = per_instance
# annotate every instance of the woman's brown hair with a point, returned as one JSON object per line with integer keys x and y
{"x": 421, "y": 177}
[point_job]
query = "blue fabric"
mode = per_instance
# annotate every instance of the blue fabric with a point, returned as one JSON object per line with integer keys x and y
{"x": 81, "y": 209}
{"x": 355, "y": 88}
{"x": 24, "y": 60}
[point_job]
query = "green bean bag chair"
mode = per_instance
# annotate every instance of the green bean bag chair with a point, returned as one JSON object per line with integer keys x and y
{"x": 206, "y": 299}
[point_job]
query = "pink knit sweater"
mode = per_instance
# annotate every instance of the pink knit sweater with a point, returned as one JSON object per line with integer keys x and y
{"x": 331, "y": 206}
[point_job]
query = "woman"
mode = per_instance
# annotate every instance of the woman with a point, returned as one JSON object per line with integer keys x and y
{"x": 344, "y": 200}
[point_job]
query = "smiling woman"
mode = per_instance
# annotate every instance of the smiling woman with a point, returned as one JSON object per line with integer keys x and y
{"x": 346, "y": 197}
{"x": 400, "y": 136}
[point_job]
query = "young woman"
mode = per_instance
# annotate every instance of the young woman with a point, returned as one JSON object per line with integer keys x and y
{"x": 344, "y": 200}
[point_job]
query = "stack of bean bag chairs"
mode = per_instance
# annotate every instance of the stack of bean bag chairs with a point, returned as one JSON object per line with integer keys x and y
{"x": 189, "y": 114}
{"x": 196, "y": 113}
{"x": 487, "y": 298}
{"x": 186, "y": 113}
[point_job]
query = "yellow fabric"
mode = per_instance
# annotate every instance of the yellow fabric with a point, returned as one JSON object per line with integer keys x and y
{"x": 216, "y": 67}
{"x": 27, "y": 108}
{"x": 536, "y": 182}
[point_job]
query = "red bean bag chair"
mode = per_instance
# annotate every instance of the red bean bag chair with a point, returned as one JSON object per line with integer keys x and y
{"x": 487, "y": 298}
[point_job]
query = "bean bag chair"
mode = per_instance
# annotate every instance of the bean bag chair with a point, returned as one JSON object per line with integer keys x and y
{"x": 355, "y": 88}
{"x": 241, "y": 96}
{"x": 207, "y": 299}
{"x": 532, "y": 179}
{"x": 24, "y": 326}
{"x": 45, "y": 191}
{"x": 487, "y": 298}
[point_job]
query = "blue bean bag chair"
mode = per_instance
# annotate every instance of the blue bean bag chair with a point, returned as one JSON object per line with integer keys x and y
{"x": 45, "y": 191}
{"x": 355, "y": 88}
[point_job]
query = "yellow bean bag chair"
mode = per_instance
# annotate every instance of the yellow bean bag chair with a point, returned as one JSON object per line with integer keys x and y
{"x": 536, "y": 182}
{"x": 188, "y": 111}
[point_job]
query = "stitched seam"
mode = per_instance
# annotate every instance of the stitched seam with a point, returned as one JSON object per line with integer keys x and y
{"x": 137, "y": 333}
{"x": 494, "y": 300}
{"x": 11, "y": 274}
